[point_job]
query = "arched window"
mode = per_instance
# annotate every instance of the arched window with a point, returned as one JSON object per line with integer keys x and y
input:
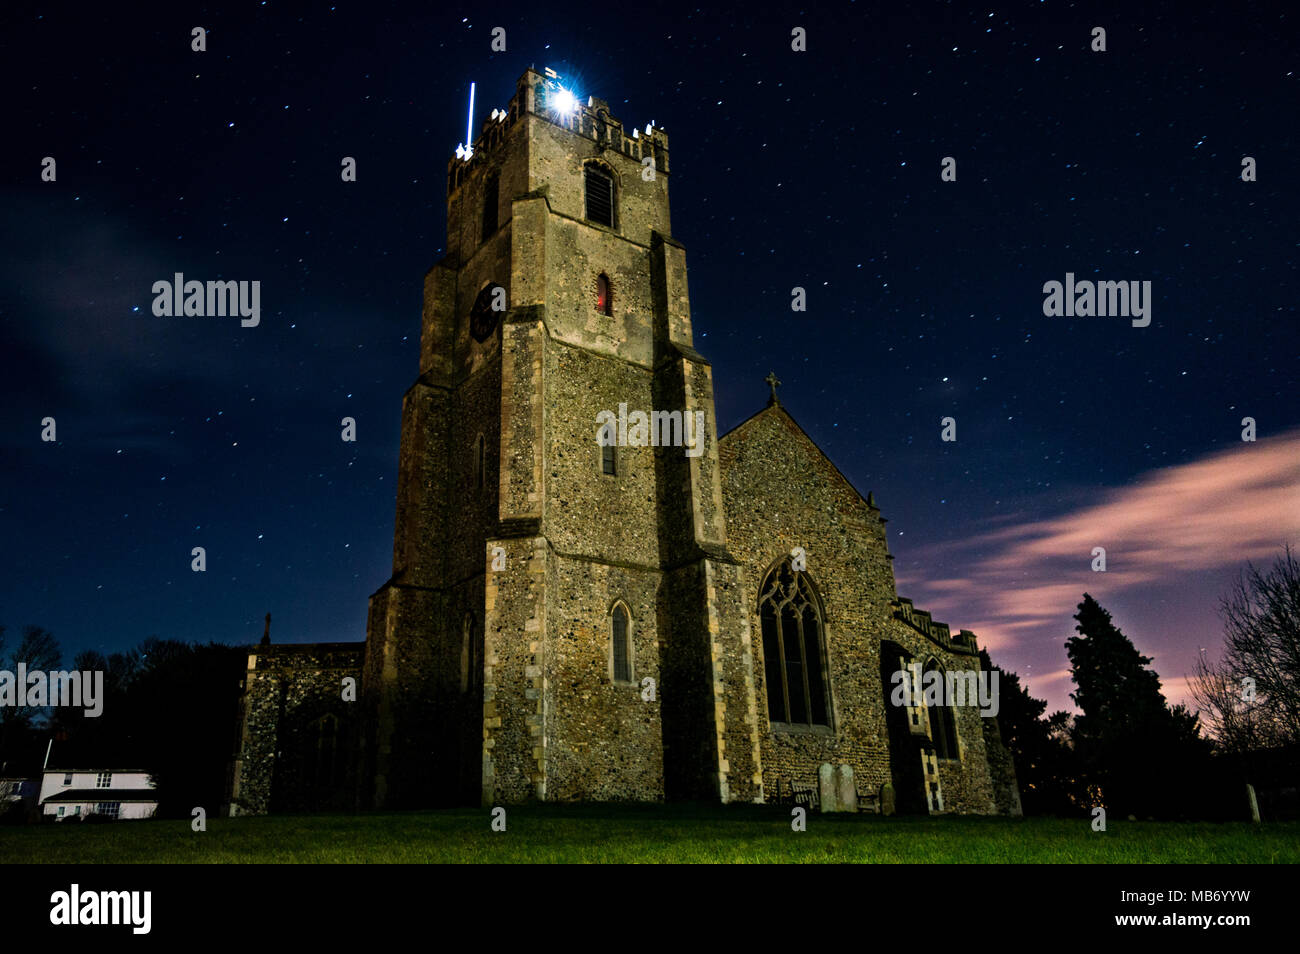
{"x": 943, "y": 726}
{"x": 480, "y": 462}
{"x": 468, "y": 652}
{"x": 323, "y": 767}
{"x": 793, "y": 650}
{"x": 621, "y": 643}
{"x": 608, "y": 460}
{"x": 600, "y": 195}
{"x": 490, "y": 190}
{"x": 604, "y": 295}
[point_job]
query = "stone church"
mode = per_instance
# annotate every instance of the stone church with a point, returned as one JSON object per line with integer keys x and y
{"x": 588, "y": 612}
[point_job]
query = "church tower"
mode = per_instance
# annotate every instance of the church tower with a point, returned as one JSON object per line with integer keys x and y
{"x": 564, "y": 620}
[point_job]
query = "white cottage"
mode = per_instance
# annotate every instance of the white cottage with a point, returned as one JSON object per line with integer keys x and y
{"x": 115, "y": 793}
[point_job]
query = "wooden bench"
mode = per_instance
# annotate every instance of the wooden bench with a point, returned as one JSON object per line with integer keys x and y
{"x": 808, "y": 795}
{"x": 805, "y": 794}
{"x": 868, "y": 801}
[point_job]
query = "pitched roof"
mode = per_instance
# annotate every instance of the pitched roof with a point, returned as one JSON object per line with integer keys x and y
{"x": 789, "y": 421}
{"x": 83, "y": 771}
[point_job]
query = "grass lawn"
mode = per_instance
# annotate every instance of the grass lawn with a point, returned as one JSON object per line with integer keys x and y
{"x": 553, "y": 834}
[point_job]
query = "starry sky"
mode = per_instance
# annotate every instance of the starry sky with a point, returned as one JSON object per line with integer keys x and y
{"x": 818, "y": 169}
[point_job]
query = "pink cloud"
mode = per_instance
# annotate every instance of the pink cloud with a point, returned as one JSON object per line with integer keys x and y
{"x": 1173, "y": 538}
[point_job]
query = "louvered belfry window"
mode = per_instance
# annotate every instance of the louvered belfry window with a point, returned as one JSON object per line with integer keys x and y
{"x": 600, "y": 196}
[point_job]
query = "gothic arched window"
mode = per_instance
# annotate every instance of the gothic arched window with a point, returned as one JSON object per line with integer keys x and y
{"x": 490, "y": 190}
{"x": 604, "y": 295}
{"x": 323, "y": 764}
{"x": 468, "y": 652}
{"x": 480, "y": 462}
{"x": 793, "y": 649}
{"x": 621, "y": 643}
{"x": 600, "y": 195}
{"x": 943, "y": 726}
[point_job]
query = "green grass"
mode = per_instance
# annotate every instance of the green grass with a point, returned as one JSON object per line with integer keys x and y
{"x": 554, "y": 834}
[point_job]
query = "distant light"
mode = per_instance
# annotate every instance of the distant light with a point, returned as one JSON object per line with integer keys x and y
{"x": 564, "y": 102}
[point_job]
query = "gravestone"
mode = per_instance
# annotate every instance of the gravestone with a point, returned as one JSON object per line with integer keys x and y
{"x": 887, "y": 798}
{"x": 848, "y": 792}
{"x": 826, "y": 784}
{"x": 837, "y": 789}
{"x": 1254, "y": 803}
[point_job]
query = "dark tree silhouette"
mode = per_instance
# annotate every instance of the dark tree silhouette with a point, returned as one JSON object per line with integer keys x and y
{"x": 1251, "y": 697}
{"x": 1134, "y": 753}
{"x": 22, "y": 735}
{"x": 1043, "y": 758}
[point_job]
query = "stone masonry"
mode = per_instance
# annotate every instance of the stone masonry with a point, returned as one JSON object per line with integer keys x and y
{"x": 554, "y": 631}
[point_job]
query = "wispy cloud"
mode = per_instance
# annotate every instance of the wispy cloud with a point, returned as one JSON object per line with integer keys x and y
{"x": 1169, "y": 536}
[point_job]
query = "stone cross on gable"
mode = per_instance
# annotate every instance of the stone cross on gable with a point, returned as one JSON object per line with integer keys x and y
{"x": 774, "y": 382}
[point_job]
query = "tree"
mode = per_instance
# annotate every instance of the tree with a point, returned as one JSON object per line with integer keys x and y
{"x": 179, "y": 719}
{"x": 20, "y": 743}
{"x": 1137, "y": 753}
{"x": 37, "y": 650}
{"x": 1042, "y": 757}
{"x": 1251, "y": 696}
{"x": 107, "y": 737}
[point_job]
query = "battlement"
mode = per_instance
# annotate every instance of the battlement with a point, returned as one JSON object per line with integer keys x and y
{"x": 545, "y": 96}
{"x": 963, "y": 642}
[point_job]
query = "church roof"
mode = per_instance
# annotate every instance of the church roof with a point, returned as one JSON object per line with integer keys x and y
{"x": 786, "y": 419}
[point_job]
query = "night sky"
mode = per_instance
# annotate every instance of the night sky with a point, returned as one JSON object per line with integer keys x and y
{"x": 818, "y": 169}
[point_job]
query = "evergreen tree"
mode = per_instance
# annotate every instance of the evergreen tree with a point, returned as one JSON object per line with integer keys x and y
{"x": 1134, "y": 752}
{"x": 1041, "y": 757}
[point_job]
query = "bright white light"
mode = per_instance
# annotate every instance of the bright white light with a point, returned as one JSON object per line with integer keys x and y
{"x": 564, "y": 102}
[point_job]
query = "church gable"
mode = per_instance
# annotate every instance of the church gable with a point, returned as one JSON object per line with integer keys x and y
{"x": 777, "y": 481}
{"x": 789, "y": 508}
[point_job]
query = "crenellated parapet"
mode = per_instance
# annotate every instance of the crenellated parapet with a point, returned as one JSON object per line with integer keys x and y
{"x": 545, "y": 96}
{"x": 920, "y": 620}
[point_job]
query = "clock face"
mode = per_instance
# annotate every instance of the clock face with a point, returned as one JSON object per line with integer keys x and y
{"x": 482, "y": 319}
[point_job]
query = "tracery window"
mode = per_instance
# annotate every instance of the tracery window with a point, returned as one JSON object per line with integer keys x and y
{"x": 943, "y": 726}
{"x": 793, "y": 649}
